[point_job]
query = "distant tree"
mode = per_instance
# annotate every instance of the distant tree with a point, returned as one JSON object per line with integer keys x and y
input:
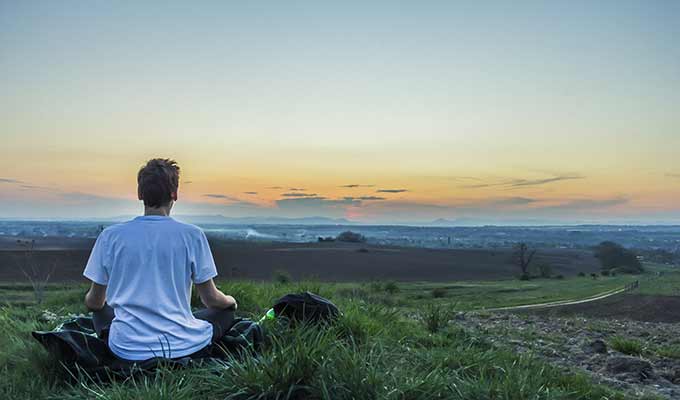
{"x": 33, "y": 272}
{"x": 352, "y": 237}
{"x": 614, "y": 256}
{"x": 523, "y": 258}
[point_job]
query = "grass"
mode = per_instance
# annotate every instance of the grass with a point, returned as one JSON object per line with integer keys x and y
{"x": 375, "y": 351}
{"x": 394, "y": 341}
{"x": 491, "y": 294}
{"x": 661, "y": 280}
{"x": 624, "y": 345}
{"x": 669, "y": 351}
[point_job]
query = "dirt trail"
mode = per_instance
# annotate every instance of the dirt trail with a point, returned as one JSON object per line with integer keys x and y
{"x": 597, "y": 297}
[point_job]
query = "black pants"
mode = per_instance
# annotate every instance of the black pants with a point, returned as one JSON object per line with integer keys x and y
{"x": 221, "y": 321}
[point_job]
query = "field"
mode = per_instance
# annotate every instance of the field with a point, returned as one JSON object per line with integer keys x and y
{"x": 394, "y": 341}
{"x": 330, "y": 261}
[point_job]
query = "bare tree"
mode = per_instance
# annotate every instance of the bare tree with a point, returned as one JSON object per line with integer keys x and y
{"x": 524, "y": 257}
{"x": 29, "y": 267}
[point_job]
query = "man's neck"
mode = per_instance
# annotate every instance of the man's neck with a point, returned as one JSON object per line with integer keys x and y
{"x": 162, "y": 211}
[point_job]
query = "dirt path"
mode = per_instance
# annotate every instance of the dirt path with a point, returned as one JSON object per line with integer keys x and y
{"x": 561, "y": 302}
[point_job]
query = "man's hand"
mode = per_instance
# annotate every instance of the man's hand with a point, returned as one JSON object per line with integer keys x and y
{"x": 212, "y": 297}
{"x": 95, "y": 297}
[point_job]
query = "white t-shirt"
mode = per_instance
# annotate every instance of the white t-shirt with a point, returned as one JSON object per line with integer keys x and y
{"x": 148, "y": 265}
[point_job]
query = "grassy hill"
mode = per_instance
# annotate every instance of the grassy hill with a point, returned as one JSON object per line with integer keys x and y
{"x": 394, "y": 341}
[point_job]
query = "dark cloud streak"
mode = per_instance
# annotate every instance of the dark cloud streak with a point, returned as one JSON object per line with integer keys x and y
{"x": 356, "y": 185}
{"x": 11, "y": 181}
{"x": 295, "y": 194}
{"x": 521, "y": 183}
{"x": 391, "y": 190}
{"x": 221, "y": 196}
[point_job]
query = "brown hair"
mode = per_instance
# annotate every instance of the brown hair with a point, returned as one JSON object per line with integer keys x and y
{"x": 157, "y": 181}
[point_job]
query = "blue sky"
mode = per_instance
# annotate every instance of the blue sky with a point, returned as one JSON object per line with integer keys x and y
{"x": 452, "y": 101}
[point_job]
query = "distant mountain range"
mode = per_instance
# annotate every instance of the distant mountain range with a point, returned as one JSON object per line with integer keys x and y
{"x": 218, "y": 219}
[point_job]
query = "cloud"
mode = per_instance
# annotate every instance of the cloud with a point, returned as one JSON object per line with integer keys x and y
{"x": 319, "y": 205}
{"x": 588, "y": 204}
{"x": 356, "y": 185}
{"x": 365, "y": 198}
{"x": 9, "y": 180}
{"x": 537, "y": 182}
{"x": 512, "y": 201}
{"x": 520, "y": 183}
{"x": 252, "y": 193}
{"x": 24, "y": 184}
{"x": 221, "y": 196}
{"x": 275, "y": 187}
{"x": 34, "y": 187}
{"x": 318, "y": 200}
{"x": 299, "y": 195}
{"x": 391, "y": 190}
{"x": 85, "y": 197}
{"x": 297, "y": 189}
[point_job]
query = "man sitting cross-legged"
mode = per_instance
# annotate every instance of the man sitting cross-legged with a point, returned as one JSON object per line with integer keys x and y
{"x": 142, "y": 271}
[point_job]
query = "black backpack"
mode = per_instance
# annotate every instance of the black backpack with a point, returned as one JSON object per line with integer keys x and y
{"x": 307, "y": 306}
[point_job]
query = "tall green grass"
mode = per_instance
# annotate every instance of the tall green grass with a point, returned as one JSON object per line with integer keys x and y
{"x": 374, "y": 351}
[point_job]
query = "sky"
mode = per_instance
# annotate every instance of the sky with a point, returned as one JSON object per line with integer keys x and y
{"x": 379, "y": 112}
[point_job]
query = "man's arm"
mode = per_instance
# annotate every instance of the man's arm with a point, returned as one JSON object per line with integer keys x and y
{"x": 95, "y": 297}
{"x": 212, "y": 297}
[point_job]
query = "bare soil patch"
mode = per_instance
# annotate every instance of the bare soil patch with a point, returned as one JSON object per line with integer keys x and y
{"x": 323, "y": 261}
{"x": 632, "y": 306}
{"x": 585, "y": 344}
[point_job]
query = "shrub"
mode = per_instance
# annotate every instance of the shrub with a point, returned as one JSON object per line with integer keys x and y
{"x": 375, "y": 286}
{"x": 524, "y": 277}
{"x": 593, "y": 275}
{"x": 391, "y": 287}
{"x": 435, "y": 317}
{"x": 560, "y": 276}
{"x": 282, "y": 276}
{"x": 544, "y": 270}
{"x": 351, "y": 237}
{"x": 438, "y": 293}
{"x": 582, "y": 274}
{"x": 627, "y": 346}
{"x": 604, "y": 273}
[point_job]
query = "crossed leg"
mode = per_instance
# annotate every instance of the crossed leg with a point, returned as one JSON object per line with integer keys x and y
{"x": 221, "y": 320}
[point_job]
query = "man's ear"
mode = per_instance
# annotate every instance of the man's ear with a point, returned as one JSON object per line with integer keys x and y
{"x": 173, "y": 196}
{"x": 139, "y": 193}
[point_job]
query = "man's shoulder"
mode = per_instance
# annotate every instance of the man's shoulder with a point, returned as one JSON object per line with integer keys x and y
{"x": 188, "y": 228}
{"x": 134, "y": 225}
